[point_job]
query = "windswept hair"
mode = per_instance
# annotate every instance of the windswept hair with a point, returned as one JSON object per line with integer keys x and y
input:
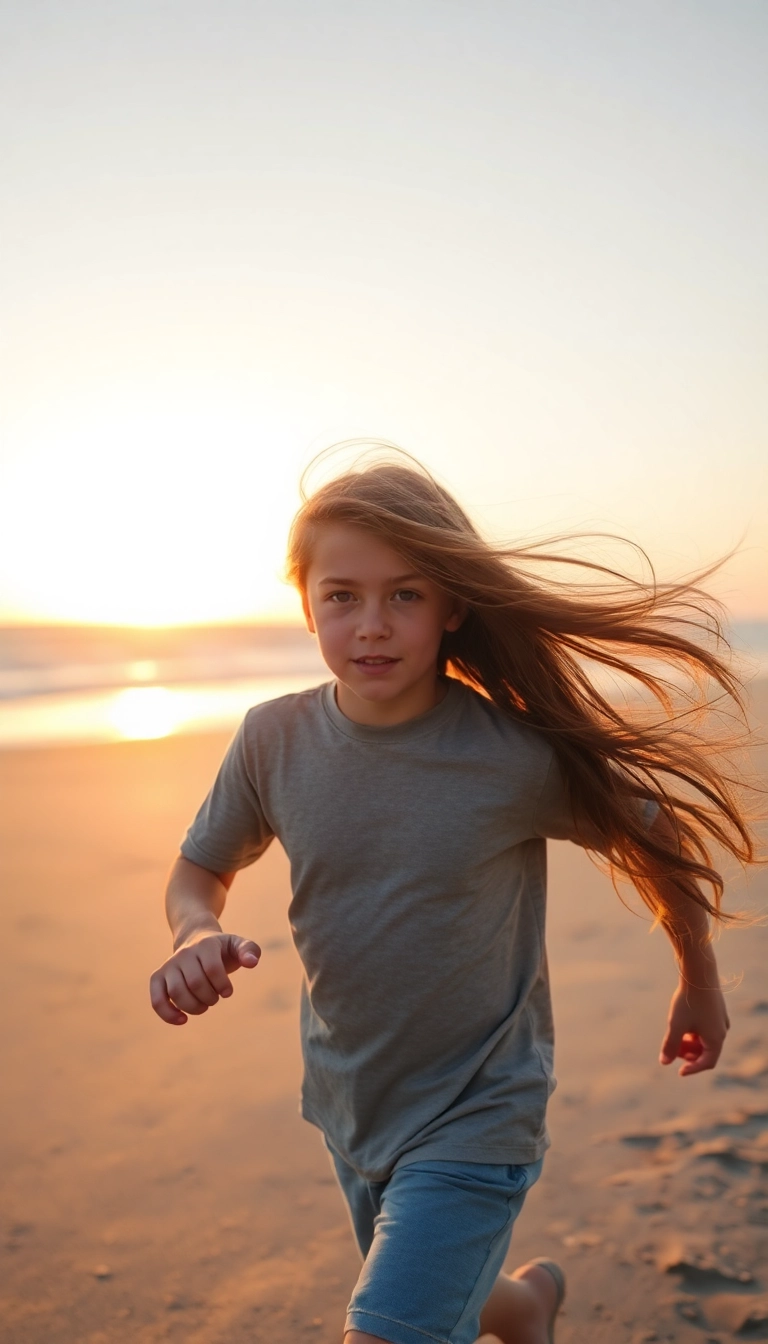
{"x": 527, "y": 642}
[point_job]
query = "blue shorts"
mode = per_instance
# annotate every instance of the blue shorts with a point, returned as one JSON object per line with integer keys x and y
{"x": 433, "y": 1239}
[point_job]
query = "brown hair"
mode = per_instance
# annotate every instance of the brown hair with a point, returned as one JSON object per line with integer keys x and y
{"x": 524, "y": 643}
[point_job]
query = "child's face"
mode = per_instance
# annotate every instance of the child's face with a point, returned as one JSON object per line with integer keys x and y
{"x": 378, "y": 624}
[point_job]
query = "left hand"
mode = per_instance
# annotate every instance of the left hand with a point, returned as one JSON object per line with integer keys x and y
{"x": 696, "y": 1030}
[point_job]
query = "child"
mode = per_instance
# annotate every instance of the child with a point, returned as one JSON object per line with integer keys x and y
{"x": 414, "y": 806}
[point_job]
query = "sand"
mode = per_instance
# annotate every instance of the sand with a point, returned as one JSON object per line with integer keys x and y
{"x": 158, "y": 1183}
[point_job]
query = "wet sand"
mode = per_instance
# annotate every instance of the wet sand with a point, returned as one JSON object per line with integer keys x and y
{"x": 158, "y": 1183}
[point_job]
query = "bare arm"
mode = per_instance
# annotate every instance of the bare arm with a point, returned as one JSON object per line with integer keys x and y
{"x": 194, "y": 900}
{"x": 197, "y": 973}
{"x": 698, "y": 1019}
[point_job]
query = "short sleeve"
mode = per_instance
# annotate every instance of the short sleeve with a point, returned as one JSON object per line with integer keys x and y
{"x": 557, "y": 816}
{"x": 230, "y": 831}
{"x": 554, "y": 817}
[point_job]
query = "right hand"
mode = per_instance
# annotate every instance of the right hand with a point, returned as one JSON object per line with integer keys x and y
{"x": 697, "y": 1027}
{"x": 197, "y": 975}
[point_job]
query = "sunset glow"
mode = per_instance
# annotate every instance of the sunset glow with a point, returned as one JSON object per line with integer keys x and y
{"x": 149, "y": 518}
{"x": 537, "y": 268}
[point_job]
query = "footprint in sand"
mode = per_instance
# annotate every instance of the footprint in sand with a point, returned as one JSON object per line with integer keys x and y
{"x": 751, "y": 1071}
{"x": 746, "y": 1318}
{"x": 700, "y": 1268}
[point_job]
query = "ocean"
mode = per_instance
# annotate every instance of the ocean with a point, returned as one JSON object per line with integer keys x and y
{"x": 67, "y": 684}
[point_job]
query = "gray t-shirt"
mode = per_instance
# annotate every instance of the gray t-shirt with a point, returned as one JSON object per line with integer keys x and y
{"x": 418, "y": 870}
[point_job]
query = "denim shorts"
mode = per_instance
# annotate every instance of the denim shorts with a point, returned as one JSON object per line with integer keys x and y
{"x": 433, "y": 1239}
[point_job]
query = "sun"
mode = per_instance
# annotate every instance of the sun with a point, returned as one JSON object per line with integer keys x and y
{"x": 151, "y": 517}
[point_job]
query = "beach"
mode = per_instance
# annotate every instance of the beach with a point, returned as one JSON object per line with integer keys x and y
{"x": 158, "y": 1182}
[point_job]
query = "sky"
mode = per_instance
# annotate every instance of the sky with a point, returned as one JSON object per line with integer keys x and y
{"x": 524, "y": 240}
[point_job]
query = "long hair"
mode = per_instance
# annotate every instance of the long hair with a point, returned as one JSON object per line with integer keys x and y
{"x": 527, "y": 642}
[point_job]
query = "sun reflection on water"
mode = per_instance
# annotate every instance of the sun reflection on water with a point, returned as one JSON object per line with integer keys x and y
{"x": 144, "y": 712}
{"x": 139, "y": 713}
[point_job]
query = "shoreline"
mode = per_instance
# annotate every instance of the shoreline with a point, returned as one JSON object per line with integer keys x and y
{"x": 147, "y": 712}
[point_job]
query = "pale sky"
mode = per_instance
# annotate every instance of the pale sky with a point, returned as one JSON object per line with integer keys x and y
{"x": 525, "y": 240}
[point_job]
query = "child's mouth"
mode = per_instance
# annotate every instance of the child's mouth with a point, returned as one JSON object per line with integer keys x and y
{"x": 377, "y": 664}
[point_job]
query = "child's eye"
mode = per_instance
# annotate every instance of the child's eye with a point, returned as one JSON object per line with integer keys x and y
{"x": 407, "y": 595}
{"x": 340, "y": 598}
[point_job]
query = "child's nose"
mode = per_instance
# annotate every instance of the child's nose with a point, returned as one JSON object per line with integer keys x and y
{"x": 373, "y": 623}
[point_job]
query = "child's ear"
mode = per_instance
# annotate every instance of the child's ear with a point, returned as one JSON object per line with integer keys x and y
{"x": 307, "y": 614}
{"x": 457, "y": 616}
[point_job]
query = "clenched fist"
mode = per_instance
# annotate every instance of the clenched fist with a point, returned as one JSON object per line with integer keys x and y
{"x": 197, "y": 975}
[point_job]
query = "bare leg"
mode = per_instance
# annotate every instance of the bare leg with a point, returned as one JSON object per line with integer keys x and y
{"x": 518, "y": 1311}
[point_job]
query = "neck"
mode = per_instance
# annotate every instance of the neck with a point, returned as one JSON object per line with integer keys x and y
{"x": 417, "y": 700}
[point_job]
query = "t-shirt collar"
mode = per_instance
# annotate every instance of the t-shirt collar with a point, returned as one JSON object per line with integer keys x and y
{"x": 419, "y": 726}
